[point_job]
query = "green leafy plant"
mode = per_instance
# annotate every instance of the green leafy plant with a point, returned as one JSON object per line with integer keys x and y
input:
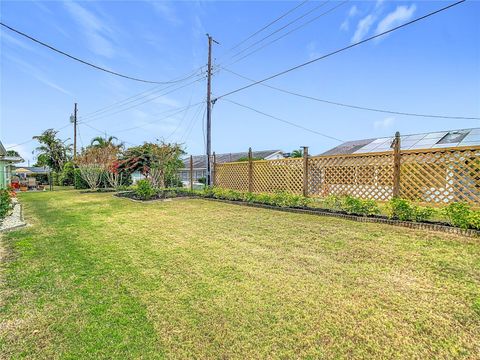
{"x": 474, "y": 220}
{"x": 144, "y": 190}
{"x": 358, "y": 206}
{"x": 5, "y": 202}
{"x": 458, "y": 214}
{"x": 423, "y": 213}
{"x": 400, "y": 209}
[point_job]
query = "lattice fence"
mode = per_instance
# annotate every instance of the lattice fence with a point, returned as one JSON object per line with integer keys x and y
{"x": 366, "y": 176}
{"x": 278, "y": 175}
{"x": 441, "y": 176}
{"x": 436, "y": 176}
{"x": 232, "y": 175}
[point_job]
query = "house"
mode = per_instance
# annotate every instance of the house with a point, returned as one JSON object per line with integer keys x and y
{"x": 200, "y": 162}
{"x": 6, "y": 165}
{"x": 431, "y": 140}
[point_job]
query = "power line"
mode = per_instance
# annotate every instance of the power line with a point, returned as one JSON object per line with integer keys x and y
{"x": 105, "y": 133}
{"x": 29, "y": 141}
{"x": 163, "y": 118}
{"x": 356, "y": 106}
{"x": 268, "y": 25}
{"x": 125, "y": 101}
{"x": 283, "y": 120}
{"x": 100, "y": 116}
{"x": 342, "y": 49}
{"x": 89, "y": 63}
{"x": 289, "y": 32}
{"x": 281, "y": 28}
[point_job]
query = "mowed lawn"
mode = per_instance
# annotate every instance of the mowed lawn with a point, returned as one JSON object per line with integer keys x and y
{"x": 106, "y": 278}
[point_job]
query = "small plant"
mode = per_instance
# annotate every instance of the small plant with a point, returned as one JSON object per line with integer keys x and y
{"x": 400, "y": 209}
{"x": 423, "y": 213}
{"x": 458, "y": 214}
{"x": 145, "y": 190}
{"x": 474, "y": 220}
{"x": 5, "y": 202}
{"x": 358, "y": 206}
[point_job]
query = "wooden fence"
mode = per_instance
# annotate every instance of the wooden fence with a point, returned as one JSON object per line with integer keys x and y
{"x": 434, "y": 175}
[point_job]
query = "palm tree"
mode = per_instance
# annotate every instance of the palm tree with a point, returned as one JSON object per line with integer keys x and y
{"x": 297, "y": 153}
{"x": 100, "y": 142}
{"x": 53, "y": 151}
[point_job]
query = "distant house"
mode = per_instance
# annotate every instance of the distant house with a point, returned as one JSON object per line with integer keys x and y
{"x": 6, "y": 166}
{"x": 431, "y": 140}
{"x": 200, "y": 162}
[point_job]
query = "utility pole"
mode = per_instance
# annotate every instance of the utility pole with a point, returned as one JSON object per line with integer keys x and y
{"x": 73, "y": 119}
{"x": 209, "y": 111}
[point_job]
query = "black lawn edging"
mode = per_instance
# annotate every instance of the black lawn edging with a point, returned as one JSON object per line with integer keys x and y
{"x": 370, "y": 219}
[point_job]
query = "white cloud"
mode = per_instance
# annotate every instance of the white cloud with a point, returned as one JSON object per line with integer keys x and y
{"x": 98, "y": 33}
{"x": 363, "y": 27}
{"x": 384, "y": 124}
{"x": 37, "y": 74}
{"x": 353, "y": 11}
{"x": 167, "y": 11}
{"x": 345, "y": 25}
{"x": 396, "y": 17}
{"x": 378, "y": 3}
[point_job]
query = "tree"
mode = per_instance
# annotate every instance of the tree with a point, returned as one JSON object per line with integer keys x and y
{"x": 157, "y": 162}
{"x": 93, "y": 162}
{"x": 13, "y": 153}
{"x": 297, "y": 153}
{"x": 100, "y": 142}
{"x": 53, "y": 152}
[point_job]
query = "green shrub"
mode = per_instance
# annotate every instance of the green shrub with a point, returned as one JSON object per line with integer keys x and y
{"x": 67, "y": 176}
{"x": 333, "y": 202}
{"x": 79, "y": 182}
{"x": 400, "y": 209}
{"x": 144, "y": 189}
{"x": 474, "y": 220}
{"x": 458, "y": 214}
{"x": 5, "y": 202}
{"x": 423, "y": 213}
{"x": 358, "y": 206}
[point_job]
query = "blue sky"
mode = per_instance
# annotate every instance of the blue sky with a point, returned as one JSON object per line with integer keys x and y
{"x": 430, "y": 67}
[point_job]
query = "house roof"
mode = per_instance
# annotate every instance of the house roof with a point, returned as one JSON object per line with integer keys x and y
{"x": 200, "y": 161}
{"x": 5, "y": 157}
{"x": 431, "y": 140}
{"x": 3, "y": 151}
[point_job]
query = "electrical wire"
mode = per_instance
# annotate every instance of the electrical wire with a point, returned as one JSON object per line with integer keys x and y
{"x": 89, "y": 63}
{"x": 268, "y": 25}
{"x": 342, "y": 49}
{"x": 281, "y": 28}
{"x": 101, "y": 116}
{"x": 284, "y": 121}
{"x": 29, "y": 141}
{"x": 187, "y": 136}
{"x": 129, "y": 99}
{"x": 163, "y": 118}
{"x": 356, "y": 106}
{"x": 289, "y": 32}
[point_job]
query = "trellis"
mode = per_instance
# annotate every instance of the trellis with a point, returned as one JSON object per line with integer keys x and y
{"x": 436, "y": 175}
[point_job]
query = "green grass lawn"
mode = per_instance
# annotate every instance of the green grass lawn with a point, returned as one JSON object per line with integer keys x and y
{"x": 100, "y": 277}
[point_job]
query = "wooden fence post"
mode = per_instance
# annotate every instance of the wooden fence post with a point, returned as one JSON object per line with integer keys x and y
{"x": 214, "y": 174}
{"x": 305, "y": 171}
{"x": 250, "y": 170}
{"x": 191, "y": 172}
{"x": 396, "y": 165}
